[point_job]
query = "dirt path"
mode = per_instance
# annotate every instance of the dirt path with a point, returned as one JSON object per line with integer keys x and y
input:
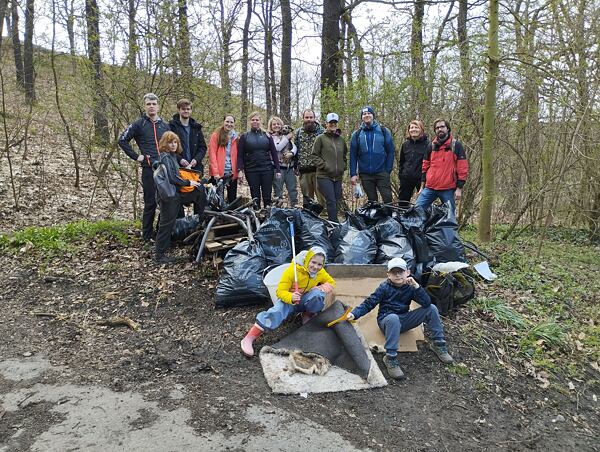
{"x": 180, "y": 383}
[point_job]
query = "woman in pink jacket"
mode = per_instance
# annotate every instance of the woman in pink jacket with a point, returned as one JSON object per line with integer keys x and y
{"x": 222, "y": 156}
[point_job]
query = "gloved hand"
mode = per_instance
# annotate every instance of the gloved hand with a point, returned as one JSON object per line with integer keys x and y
{"x": 326, "y": 288}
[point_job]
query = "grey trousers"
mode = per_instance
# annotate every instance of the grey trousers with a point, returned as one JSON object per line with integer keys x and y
{"x": 379, "y": 181}
{"x": 288, "y": 178}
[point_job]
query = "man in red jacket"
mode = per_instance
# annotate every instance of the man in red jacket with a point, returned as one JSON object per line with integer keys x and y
{"x": 445, "y": 168}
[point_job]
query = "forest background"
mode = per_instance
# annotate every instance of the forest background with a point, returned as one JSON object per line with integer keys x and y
{"x": 82, "y": 67}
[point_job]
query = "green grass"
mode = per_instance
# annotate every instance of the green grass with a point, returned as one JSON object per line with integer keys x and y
{"x": 547, "y": 303}
{"x": 56, "y": 239}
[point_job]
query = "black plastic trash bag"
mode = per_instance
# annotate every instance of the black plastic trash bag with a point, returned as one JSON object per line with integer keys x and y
{"x": 372, "y": 213}
{"x": 415, "y": 217}
{"x": 392, "y": 242}
{"x": 312, "y": 231}
{"x": 241, "y": 282}
{"x": 275, "y": 238}
{"x": 442, "y": 237}
{"x": 352, "y": 245}
{"x": 184, "y": 227}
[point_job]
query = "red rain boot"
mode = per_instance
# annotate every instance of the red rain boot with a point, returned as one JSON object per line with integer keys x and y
{"x": 247, "y": 342}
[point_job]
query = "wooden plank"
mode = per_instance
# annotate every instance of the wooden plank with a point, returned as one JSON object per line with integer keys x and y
{"x": 213, "y": 246}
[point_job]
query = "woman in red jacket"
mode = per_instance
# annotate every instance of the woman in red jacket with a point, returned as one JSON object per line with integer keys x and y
{"x": 222, "y": 156}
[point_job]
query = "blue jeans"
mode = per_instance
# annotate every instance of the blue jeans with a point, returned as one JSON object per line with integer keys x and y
{"x": 394, "y": 324}
{"x": 428, "y": 195}
{"x": 312, "y": 301}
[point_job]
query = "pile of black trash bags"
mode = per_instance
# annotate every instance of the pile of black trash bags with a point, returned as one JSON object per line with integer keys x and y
{"x": 373, "y": 234}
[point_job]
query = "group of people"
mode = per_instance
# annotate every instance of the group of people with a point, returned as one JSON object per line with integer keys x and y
{"x": 272, "y": 159}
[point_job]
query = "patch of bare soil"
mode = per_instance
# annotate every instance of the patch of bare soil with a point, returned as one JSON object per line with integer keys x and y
{"x": 54, "y": 308}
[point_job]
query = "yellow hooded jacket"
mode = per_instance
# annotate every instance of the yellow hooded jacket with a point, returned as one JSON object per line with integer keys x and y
{"x": 305, "y": 282}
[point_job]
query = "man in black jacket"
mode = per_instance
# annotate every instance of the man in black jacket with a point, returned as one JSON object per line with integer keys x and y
{"x": 190, "y": 133}
{"x": 147, "y": 132}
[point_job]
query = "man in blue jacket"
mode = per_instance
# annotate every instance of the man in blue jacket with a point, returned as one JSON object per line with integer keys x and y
{"x": 372, "y": 157}
{"x": 147, "y": 132}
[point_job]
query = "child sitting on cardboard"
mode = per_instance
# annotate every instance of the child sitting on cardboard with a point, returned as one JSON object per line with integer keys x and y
{"x": 394, "y": 296}
{"x": 308, "y": 297}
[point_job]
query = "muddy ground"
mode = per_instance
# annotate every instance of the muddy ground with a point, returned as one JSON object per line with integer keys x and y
{"x": 181, "y": 383}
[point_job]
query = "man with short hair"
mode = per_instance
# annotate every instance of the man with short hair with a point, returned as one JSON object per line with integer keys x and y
{"x": 190, "y": 134}
{"x": 445, "y": 168}
{"x": 372, "y": 157}
{"x": 147, "y": 132}
{"x": 307, "y": 166}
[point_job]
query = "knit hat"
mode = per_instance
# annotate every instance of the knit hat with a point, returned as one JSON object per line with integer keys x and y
{"x": 367, "y": 109}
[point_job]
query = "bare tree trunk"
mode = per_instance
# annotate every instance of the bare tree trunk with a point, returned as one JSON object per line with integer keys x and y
{"x": 489, "y": 115}
{"x": 93, "y": 35}
{"x": 183, "y": 44}
{"x": 3, "y": 11}
{"x": 16, "y": 43}
{"x": 416, "y": 60}
{"x": 330, "y": 38}
{"x": 285, "y": 89}
{"x": 28, "y": 70}
{"x": 132, "y": 38}
{"x": 435, "y": 52}
{"x": 267, "y": 14}
{"x": 463, "y": 50}
{"x": 244, "y": 82}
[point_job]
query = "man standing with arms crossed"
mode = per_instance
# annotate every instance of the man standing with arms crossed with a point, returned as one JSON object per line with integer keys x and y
{"x": 147, "y": 132}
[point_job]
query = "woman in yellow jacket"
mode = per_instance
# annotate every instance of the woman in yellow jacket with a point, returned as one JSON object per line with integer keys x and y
{"x": 313, "y": 283}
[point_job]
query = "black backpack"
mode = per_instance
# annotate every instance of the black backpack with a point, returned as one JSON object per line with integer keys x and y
{"x": 450, "y": 290}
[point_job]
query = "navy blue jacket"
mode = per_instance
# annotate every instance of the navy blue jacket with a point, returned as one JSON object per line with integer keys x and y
{"x": 392, "y": 300}
{"x": 146, "y": 134}
{"x": 371, "y": 150}
{"x": 197, "y": 143}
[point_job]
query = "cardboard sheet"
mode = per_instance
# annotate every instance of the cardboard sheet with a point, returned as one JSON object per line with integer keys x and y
{"x": 353, "y": 291}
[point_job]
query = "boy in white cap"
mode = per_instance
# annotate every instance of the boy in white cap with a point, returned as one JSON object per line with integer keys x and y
{"x": 394, "y": 296}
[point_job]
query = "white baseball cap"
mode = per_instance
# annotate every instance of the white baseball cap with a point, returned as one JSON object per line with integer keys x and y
{"x": 397, "y": 262}
{"x": 332, "y": 117}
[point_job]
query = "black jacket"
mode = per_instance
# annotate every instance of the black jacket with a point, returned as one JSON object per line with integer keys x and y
{"x": 257, "y": 152}
{"x": 146, "y": 134}
{"x": 411, "y": 158}
{"x": 197, "y": 149}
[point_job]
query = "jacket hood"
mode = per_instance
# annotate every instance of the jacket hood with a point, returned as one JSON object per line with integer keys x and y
{"x": 304, "y": 257}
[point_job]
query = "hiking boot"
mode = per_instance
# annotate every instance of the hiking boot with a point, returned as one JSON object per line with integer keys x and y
{"x": 163, "y": 259}
{"x": 393, "y": 367}
{"x": 248, "y": 341}
{"x": 441, "y": 351}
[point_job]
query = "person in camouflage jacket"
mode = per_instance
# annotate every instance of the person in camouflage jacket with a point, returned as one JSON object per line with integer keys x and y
{"x": 305, "y": 137}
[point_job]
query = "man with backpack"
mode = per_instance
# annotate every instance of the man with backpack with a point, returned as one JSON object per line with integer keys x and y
{"x": 147, "y": 131}
{"x": 372, "y": 157}
{"x": 445, "y": 168}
